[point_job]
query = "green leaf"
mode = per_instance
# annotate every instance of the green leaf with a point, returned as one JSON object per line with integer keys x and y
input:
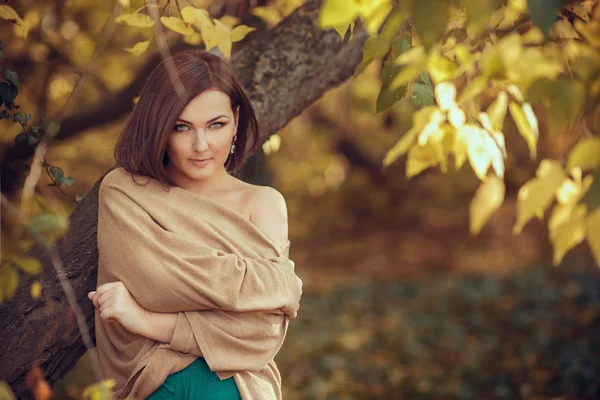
{"x": 374, "y": 47}
{"x": 8, "y": 94}
{"x": 12, "y": 77}
{"x": 32, "y": 140}
{"x": 430, "y": 19}
{"x": 544, "y": 13}
{"x": 422, "y": 93}
{"x": 29, "y": 265}
{"x": 21, "y": 137}
{"x": 19, "y": 117}
{"x": 57, "y": 173}
{"x": 45, "y": 222}
{"x": 388, "y": 97}
{"x": 68, "y": 180}
{"x": 400, "y": 44}
{"x": 9, "y": 281}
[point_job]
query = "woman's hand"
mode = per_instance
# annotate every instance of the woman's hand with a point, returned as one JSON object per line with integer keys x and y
{"x": 115, "y": 303}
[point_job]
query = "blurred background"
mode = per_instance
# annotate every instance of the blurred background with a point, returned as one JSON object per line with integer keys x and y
{"x": 400, "y": 301}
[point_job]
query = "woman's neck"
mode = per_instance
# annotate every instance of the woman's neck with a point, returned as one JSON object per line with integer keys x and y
{"x": 204, "y": 186}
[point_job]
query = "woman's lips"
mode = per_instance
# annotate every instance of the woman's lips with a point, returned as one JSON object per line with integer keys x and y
{"x": 200, "y": 163}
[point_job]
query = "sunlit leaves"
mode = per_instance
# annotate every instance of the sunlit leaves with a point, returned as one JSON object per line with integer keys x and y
{"x": 36, "y": 290}
{"x": 479, "y": 13}
{"x": 5, "y": 391}
{"x": 239, "y": 32}
{"x": 527, "y": 124}
{"x": 139, "y": 48}
{"x": 537, "y": 194}
{"x": 177, "y": 25}
{"x": 340, "y": 14}
{"x": 9, "y": 14}
{"x": 564, "y": 99}
{"x": 585, "y": 155}
{"x": 136, "y": 20}
{"x": 99, "y": 391}
{"x": 488, "y": 198}
{"x": 569, "y": 232}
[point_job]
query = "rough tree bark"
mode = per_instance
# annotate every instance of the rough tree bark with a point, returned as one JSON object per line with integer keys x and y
{"x": 285, "y": 70}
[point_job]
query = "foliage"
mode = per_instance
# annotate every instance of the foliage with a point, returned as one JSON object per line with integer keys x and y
{"x": 468, "y": 65}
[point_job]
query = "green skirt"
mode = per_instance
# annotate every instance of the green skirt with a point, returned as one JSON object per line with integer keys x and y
{"x": 196, "y": 381}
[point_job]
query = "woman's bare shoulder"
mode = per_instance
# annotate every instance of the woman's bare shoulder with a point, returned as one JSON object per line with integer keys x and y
{"x": 268, "y": 210}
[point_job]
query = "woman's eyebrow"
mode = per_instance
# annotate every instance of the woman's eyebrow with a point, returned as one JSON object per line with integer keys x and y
{"x": 208, "y": 122}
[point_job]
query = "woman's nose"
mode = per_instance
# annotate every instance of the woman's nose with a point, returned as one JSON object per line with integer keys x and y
{"x": 200, "y": 143}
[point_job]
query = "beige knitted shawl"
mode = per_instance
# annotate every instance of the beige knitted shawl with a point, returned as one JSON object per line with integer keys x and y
{"x": 177, "y": 251}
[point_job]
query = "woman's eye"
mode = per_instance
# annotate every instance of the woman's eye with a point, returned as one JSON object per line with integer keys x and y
{"x": 216, "y": 125}
{"x": 181, "y": 127}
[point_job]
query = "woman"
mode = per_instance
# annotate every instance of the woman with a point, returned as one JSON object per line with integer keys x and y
{"x": 195, "y": 287}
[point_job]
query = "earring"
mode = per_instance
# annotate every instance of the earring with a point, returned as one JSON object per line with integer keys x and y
{"x": 233, "y": 145}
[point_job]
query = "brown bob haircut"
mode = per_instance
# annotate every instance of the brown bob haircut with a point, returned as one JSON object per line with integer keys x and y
{"x": 141, "y": 148}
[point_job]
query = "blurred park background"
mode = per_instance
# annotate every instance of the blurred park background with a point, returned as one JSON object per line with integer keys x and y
{"x": 401, "y": 301}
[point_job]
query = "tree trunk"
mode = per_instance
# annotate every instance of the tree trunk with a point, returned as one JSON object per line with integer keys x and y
{"x": 285, "y": 70}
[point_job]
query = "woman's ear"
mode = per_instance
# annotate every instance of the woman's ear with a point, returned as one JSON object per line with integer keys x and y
{"x": 236, "y": 116}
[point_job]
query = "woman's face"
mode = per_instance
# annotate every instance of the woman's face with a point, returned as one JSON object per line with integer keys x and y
{"x": 201, "y": 138}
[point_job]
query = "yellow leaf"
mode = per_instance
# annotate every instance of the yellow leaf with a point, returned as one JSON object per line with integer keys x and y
{"x": 562, "y": 29}
{"x": 36, "y": 290}
{"x": 585, "y": 155}
{"x": 268, "y": 14}
{"x": 479, "y": 13}
{"x": 406, "y": 75}
{"x": 230, "y": 21}
{"x": 474, "y": 89}
{"x": 194, "y": 39}
{"x": 136, "y": 20}
{"x": 374, "y": 12}
{"x": 177, "y": 25}
{"x": 188, "y": 14}
{"x": 338, "y": 12}
{"x": 590, "y": 31}
{"x": 125, "y": 3}
{"x": 9, "y": 281}
{"x": 139, "y": 48}
{"x": 593, "y": 233}
{"x": 420, "y": 119}
{"x": 29, "y": 265}
{"x": 272, "y": 144}
{"x": 537, "y": 194}
{"x": 569, "y": 233}
{"x": 527, "y": 125}
{"x": 223, "y": 35}
{"x": 422, "y": 157}
{"x": 9, "y": 14}
{"x": 488, "y": 198}
{"x": 445, "y": 95}
{"x": 239, "y": 32}
{"x": 440, "y": 68}
{"x": 207, "y": 28}
{"x": 497, "y": 111}
{"x": 5, "y": 391}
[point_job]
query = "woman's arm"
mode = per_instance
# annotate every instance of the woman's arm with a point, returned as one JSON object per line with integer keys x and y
{"x": 189, "y": 275}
